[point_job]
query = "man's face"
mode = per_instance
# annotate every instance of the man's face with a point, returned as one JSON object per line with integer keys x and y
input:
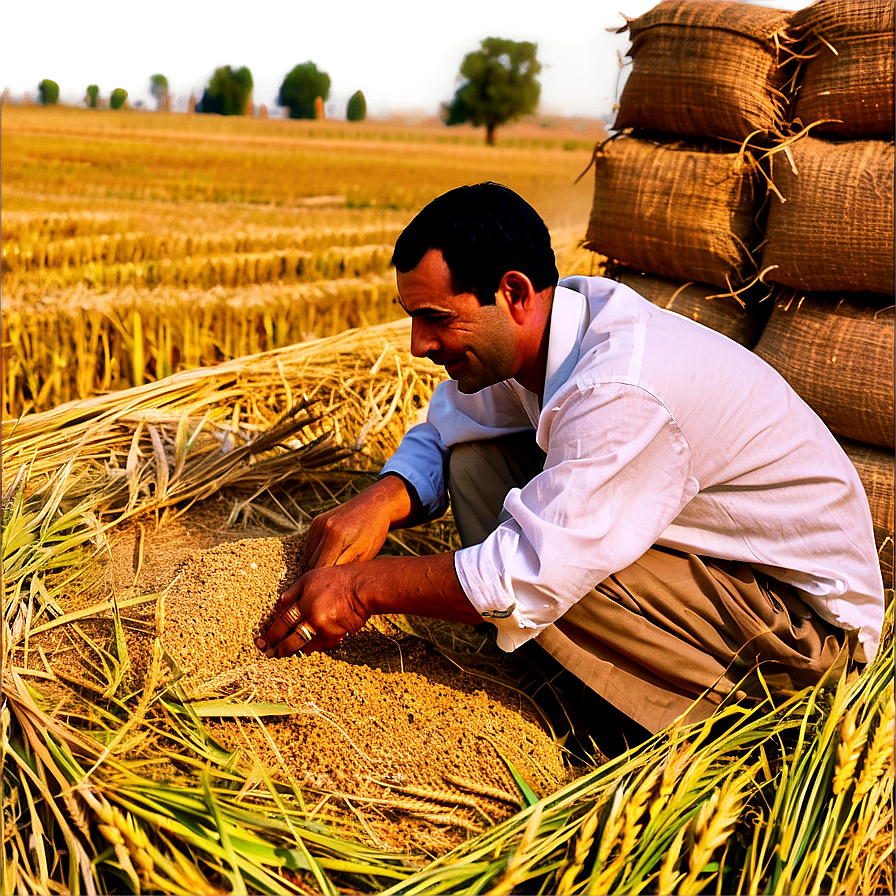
{"x": 473, "y": 342}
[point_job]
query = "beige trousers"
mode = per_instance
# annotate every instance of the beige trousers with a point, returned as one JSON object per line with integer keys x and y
{"x": 672, "y": 635}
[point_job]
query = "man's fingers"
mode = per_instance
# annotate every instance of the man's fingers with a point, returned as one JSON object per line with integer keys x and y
{"x": 287, "y": 618}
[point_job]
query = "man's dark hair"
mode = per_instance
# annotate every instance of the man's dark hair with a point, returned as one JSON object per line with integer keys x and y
{"x": 483, "y": 231}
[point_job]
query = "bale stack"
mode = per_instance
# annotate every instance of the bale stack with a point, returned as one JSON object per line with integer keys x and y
{"x": 829, "y": 246}
{"x": 679, "y": 193}
{"x": 749, "y": 187}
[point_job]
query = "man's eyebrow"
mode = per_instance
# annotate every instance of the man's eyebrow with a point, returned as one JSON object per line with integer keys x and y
{"x": 424, "y": 311}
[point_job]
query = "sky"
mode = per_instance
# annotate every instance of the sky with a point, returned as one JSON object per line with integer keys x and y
{"x": 403, "y": 54}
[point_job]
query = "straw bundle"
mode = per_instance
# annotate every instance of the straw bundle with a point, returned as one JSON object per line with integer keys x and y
{"x": 846, "y": 84}
{"x": 875, "y": 469}
{"x": 833, "y": 226}
{"x": 706, "y": 69}
{"x": 79, "y": 343}
{"x": 250, "y": 423}
{"x": 738, "y": 321}
{"x": 676, "y": 210}
{"x": 836, "y": 350}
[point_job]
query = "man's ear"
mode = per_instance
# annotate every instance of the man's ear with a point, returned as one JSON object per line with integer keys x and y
{"x": 517, "y": 292}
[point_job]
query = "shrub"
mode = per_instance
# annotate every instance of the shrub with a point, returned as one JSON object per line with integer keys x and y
{"x": 118, "y": 98}
{"x": 301, "y": 88}
{"x": 228, "y": 92}
{"x": 160, "y": 91}
{"x": 47, "y": 92}
{"x": 357, "y": 107}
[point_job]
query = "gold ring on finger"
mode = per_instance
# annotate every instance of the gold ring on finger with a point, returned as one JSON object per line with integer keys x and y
{"x": 292, "y": 616}
{"x": 305, "y": 630}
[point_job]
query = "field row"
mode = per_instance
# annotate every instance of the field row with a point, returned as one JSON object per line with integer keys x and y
{"x": 188, "y": 271}
{"x": 80, "y": 343}
{"x": 28, "y": 246}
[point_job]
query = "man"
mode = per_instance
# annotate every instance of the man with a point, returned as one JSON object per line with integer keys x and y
{"x": 648, "y": 499}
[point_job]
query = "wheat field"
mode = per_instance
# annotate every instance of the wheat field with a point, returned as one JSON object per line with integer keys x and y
{"x": 139, "y": 244}
{"x": 201, "y": 308}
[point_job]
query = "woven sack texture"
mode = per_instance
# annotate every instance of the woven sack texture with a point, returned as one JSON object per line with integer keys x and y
{"x": 836, "y": 350}
{"x": 700, "y": 302}
{"x": 849, "y": 75}
{"x": 675, "y": 210}
{"x": 875, "y": 469}
{"x": 706, "y": 69}
{"x": 835, "y": 229}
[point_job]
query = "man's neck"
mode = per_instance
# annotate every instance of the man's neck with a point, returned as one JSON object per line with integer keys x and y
{"x": 533, "y": 373}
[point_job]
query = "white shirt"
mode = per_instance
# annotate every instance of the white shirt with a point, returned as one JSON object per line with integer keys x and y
{"x": 659, "y": 431}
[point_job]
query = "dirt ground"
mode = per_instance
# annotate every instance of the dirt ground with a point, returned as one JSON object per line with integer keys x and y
{"x": 410, "y": 726}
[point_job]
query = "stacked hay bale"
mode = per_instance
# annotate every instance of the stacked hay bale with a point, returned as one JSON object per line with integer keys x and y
{"x": 829, "y": 246}
{"x": 679, "y": 193}
{"x": 716, "y": 199}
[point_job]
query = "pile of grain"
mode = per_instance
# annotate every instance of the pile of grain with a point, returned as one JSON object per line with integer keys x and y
{"x": 385, "y": 722}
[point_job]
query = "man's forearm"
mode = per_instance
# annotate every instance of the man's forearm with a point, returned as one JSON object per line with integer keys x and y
{"x": 422, "y": 586}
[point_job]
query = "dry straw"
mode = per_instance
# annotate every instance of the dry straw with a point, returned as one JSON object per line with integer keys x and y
{"x": 777, "y": 797}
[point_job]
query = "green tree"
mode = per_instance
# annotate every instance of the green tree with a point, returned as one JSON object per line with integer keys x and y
{"x": 228, "y": 92}
{"x": 158, "y": 87}
{"x": 301, "y": 87}
{"x": 118, "y": 98}
{"x": 49, "y": 92}
{"x": 93, "y": 93}
{"x": 357, "y": 107}
{"x": 500, "y": 84}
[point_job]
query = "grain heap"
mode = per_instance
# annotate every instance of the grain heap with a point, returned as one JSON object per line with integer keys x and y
{"x": 717, "y": 200}
{"x": 384, "y": 721}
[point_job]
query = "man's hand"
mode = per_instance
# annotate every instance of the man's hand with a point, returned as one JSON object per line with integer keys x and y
{"x": 332, "y": 602}
{"x": 327, "y": 601}
{"x": 357, "y": 530}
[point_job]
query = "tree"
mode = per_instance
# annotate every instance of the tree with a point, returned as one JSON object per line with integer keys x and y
{"x": 158, "y": 87}
{"x": 228, "y": 92}
{"x": 118, "y": 98}
{"x": 500, "y": 85}
{"x": 47, "y": 92}
{"x": 357, "y": 107}
{"x": 301, "y": 87}
{"x": 93, "y": 93}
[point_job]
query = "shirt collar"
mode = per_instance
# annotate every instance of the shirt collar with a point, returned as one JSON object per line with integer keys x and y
{"x": 568, "y": 325}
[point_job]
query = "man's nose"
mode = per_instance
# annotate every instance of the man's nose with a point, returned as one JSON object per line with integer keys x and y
{"x": 422, "y": 339}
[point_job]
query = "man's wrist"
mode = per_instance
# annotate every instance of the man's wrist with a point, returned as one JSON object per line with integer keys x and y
{"x": 414, "y": 508}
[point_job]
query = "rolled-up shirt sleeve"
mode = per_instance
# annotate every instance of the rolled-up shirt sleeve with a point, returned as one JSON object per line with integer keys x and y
{"x": 452, "y": 417}
{"x": 420, "y": 460}
{"x": 617, "y": 473}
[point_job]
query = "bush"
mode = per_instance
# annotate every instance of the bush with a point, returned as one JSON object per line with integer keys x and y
{"x": 47, "y": 92}
{"x": 118, "y": 98}
{"x": 301, "y": 88}
{"x": 160, "y": 91}
{"x": 228, "y": 92}
{"x": 357, "y": 107}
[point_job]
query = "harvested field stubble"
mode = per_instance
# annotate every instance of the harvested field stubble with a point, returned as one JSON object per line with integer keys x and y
{"x": 170, "y": 242}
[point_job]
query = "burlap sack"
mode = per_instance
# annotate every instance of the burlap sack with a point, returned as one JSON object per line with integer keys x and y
{"x": 875, "y": 469}
{"x": 836, "y": 350}
{"x": 705, "y": 69}
{"x": 675, "y": 210}
{"x": 834, "y": 231}
{"x": 725, "y": 314}
{"x": 849, "y": 75}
